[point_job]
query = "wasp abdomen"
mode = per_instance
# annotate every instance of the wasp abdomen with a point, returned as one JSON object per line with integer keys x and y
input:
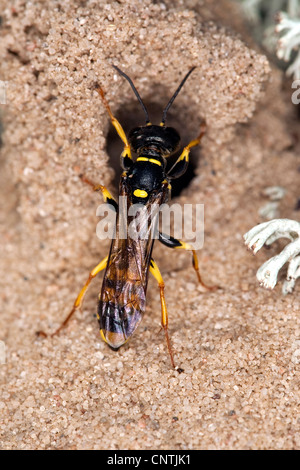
{"x": 120, "y": 317}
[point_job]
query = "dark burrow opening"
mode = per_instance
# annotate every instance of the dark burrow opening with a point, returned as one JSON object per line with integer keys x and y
{"x": 132, "y": 116}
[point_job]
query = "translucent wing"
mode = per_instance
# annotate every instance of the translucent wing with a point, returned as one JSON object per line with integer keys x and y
{"x": 123, "y": 296}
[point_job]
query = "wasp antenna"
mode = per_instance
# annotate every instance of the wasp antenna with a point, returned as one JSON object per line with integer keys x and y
{"x": 135, "y": 91}
{"x": 175, "y": 94}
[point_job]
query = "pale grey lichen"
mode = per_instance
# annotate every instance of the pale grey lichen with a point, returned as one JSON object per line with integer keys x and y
{"x": 270, "y": 210}
{"x": 265, "y": 234}
{"x": 276, "y": 25}
{"x": 289, "y": 43}
{"x": 263, "y": 11}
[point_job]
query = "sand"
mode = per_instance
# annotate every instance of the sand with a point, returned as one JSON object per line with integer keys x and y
{"x": 239, "y": 346}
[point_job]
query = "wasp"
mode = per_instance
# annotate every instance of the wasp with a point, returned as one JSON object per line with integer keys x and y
{"x": 146, "y": 182}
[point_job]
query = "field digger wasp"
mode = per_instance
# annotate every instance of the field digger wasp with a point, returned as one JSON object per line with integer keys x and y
{"x": 146, "y": 182}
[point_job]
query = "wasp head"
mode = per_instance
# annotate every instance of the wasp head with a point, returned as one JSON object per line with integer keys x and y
{"x": 165, "y": 140}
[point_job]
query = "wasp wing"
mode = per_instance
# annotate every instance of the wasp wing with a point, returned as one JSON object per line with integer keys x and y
{"x": 123, "y": 296}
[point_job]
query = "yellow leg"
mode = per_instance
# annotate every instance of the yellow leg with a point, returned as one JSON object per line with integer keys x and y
{"x": 164, "y": 314}
{"x": 126, "y": 154}
{"x": 79, "y": 299}
{"x": 179, "y": 244}
{"x": 186, "y": 246}
{"x": 181, "y": 163}
{"x": 107, "y": 197}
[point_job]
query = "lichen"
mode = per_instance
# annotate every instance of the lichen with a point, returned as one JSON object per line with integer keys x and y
{"x": 265, "y": 234}
{"x": 276, "y": 25}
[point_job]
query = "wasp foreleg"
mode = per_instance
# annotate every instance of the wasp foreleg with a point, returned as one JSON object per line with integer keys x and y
{"x": 126, "y": 157}
{"x": 181, "y": 164}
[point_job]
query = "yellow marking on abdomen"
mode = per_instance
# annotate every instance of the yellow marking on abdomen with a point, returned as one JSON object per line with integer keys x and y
{"x": 115, "y": 340}
{"x": 102, "y": 336}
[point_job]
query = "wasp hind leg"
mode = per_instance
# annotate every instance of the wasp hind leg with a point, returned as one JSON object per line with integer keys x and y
{"x": 178, "y": 244}
{"x": 78, "y": 302}
{"x": 164, "y": 314}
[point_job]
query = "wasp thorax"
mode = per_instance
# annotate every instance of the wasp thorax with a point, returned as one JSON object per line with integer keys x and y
{"x": 165, "y": 140}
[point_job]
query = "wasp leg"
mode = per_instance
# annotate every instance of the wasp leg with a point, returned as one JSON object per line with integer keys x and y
{"x": 181, "y": 164}
{"x": 79, "y": 299}
{"x": 107, "y": 197}
{"x": 126, "y": 157}
{"x": 164, "y": 314}
{"x": 173, "y": 243}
